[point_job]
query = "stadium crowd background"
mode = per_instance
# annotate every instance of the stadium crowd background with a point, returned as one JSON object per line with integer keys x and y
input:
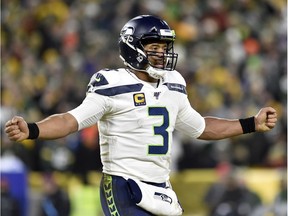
{"x": 233, "y": 54}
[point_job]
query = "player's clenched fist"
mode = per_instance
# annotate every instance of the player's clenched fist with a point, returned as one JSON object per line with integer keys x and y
{"x": 265, "y": 119}
{"x": 17, "y": 129}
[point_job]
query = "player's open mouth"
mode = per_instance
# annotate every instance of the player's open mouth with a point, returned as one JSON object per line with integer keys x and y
{"x": 159, "y": 64}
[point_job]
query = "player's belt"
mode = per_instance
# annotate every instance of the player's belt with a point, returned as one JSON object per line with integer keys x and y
{"x": 163, "y": 184}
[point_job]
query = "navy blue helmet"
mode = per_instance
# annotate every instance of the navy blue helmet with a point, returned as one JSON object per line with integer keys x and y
{"x": 142, "y": 30}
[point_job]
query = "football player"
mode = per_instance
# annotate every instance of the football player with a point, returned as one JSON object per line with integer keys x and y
{"x": 137, "y": 108}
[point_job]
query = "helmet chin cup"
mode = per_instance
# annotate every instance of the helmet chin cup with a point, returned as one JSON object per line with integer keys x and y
{"x": 155, "y": 73}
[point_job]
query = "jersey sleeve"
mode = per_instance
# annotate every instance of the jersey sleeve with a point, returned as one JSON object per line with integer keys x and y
{"x": 189, "y": 121}
{"x": 94, "y": 105}
{"x": 90, "y": 111}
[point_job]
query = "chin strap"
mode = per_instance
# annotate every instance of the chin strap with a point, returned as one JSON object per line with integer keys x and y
{"x": 156, "y": 73}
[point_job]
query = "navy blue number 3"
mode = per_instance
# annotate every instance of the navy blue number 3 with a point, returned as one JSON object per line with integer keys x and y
{"x": 160, "y": 130}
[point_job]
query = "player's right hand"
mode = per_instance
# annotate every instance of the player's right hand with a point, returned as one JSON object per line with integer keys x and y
{"x": 17, "y": 129}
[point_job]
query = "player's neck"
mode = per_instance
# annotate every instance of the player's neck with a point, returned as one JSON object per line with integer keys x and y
{"x": 145, "y": 77}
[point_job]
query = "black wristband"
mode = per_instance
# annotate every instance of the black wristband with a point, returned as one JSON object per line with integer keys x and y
{"x": 33, "y": 131}
{"x": 248, "y": 125}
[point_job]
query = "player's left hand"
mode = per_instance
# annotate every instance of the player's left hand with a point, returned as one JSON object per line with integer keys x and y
{"x": 265, "y": 119}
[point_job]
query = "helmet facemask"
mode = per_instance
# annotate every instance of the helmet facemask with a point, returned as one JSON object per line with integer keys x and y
{"x": 167, "y": 59}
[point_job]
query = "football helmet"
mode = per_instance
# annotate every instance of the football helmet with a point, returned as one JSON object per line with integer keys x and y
{"x": 142, "y": 30}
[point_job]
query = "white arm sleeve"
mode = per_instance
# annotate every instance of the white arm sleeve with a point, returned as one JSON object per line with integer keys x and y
{"x": 189, "y": 121}
{"x": 91, "y": 110}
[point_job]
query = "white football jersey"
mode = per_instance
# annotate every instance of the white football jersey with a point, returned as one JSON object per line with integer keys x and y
{"x": 136, "y": 121}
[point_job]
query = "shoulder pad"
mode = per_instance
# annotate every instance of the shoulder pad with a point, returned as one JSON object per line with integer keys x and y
{"x": 175, "y": 77}
{"x": 175, "y": 82}
{"x": 102, "y": 79}
{"x": 97, "y": 80}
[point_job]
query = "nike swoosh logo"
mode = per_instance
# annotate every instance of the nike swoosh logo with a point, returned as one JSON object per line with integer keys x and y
{"x": 97, "y": 79}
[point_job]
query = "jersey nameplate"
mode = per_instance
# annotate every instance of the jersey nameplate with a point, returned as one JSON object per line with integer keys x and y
{"x": 176, "y": 87}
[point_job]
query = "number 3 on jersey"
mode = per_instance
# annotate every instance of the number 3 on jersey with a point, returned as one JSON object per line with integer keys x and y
{"x": 159, "y": 149}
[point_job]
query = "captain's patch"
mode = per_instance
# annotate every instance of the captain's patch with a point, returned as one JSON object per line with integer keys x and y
{"x": 139, "y": 99}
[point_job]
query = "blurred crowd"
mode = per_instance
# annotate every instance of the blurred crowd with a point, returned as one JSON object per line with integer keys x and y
{"x": 233, "y": 54}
